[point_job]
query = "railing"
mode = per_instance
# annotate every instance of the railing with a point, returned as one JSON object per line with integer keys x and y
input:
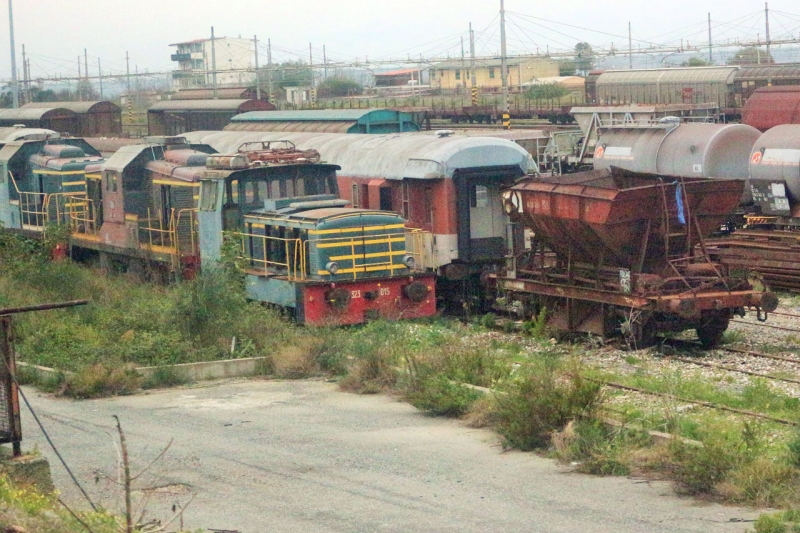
{"x": 269, "y": 255}
{"x": 178, "y": 235}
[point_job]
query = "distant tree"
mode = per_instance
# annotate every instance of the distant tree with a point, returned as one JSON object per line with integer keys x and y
{"x": 696, "y": 62}
{"x": 567, "y": 67}
{"x": 290, "y": 74}
{"x": 338, "y": 86}
{"x": 584, "y": 57}
{"x": 546, "y": 91}
{"x": 38, "y": 94}
{"x": 751, "y": 55}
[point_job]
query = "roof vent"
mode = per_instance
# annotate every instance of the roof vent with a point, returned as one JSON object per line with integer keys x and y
{"x": 445, "y": 133}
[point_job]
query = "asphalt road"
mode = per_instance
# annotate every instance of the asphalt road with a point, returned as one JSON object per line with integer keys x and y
{"x": 300, "y": 456}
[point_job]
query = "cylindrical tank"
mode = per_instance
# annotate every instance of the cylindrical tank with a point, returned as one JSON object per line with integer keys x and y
{"x": 776, "y": 158}
{"x": 691, "y": 150}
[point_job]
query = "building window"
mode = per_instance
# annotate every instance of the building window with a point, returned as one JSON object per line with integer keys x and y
{"x": 458, "y": 74}
{"x": 406, "y": 201}
{"x": 491, "y": 73}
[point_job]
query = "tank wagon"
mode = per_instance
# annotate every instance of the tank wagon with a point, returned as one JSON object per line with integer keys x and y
{"x": 625, "y": 258}
{"x": 679, "y": 149}
{"x": 447, "y": 186}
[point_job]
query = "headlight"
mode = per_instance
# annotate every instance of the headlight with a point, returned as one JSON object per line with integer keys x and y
{"x": 332, "y": 267}
{"x": 409, "y": 261}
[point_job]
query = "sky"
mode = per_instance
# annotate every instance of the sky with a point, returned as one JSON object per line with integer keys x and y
{"x": 55, "y": 32}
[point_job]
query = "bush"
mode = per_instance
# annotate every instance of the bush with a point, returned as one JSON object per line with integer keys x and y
{"x": 164, "y": 376}
{"x": 542, "y": 399}
{"x": 437, "y": 395}
{"x": 598, "y": 448}
{"x": 98, "y": 380}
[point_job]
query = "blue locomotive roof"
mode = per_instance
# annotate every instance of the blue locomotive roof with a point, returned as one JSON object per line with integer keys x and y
{"x": 329, "y": 219}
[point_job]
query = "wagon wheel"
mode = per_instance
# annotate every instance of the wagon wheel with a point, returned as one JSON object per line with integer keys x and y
{"x": 711, "y": 330}
{"x": 638, "y": 329}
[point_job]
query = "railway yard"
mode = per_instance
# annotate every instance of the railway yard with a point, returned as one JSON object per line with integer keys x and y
{"x": 517, "y": 292}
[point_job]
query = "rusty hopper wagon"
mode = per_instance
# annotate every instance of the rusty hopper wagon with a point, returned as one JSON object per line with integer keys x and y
{"x": 617, "y": 252}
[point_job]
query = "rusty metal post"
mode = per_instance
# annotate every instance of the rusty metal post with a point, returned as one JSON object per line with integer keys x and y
{"x": 9, "y": 385}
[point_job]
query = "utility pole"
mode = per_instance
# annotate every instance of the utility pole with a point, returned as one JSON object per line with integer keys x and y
{"x": 128, "y": 73}
{"x": 324, "y": 62}
{"x": 710, "y": 55}
{"x": 769, "y": 62}
{"x": 258, "y": 80}
{"x": 14, "y": 85}
{"x": 100, "y": 75}
{"x": 86, "y": 73}
{"x": 269, "y": 71}
{"x": 24, "y": 75}
{"x": 213, "y": 63}
{"x": 474, "y": 76}
{"x": 78, "y": 83}
{"x": 464, "y": 78}
{"x": 630, "y": 48}
{"x": 504, "y": 66}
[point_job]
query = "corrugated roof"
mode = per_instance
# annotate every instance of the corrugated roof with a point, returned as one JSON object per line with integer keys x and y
{"x": 775, "y": 72}
{"x": 205, "y": 105}
{"x": 394, "y": 156}
{"x": 208, "y": 94}
{"x": 33, "y": 113}
{"x": 328, "y": 126}
{"x": 668, "y": 75}
{"x": 77, "y": 107}
{"x": 304, "y": 115}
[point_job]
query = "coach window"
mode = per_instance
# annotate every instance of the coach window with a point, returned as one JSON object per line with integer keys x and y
{"x": 300, "y": 187}
{"x": 458, "y": 74}
{"x": 355, "y": 196}
{"x": 479, "y": 196}
{"x": 491, "y": 73}
{"x": 208, "y": 195}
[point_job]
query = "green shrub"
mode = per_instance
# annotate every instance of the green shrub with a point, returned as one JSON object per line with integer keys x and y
{"x": 437, "y": 395}
{"x": 542, "y": 399}
{"x": 98, "y": 380}
{"x": 769, "y": 523}
{"x": 164, "y": 376}
{"x": 698, "y": 469}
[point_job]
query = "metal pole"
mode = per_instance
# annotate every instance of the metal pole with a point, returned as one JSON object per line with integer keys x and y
{"x": 14, "y": 85}
{"x": 100, "y": 75}
{"x": 324, "y": 62}
{"x": 258, "y": 78}
{"x": 769, "y": 61}
{"x": 474, "y": 76}
{"x": 213, "y": 63}
{"x": 28, "y": 70}
{"x": 128, "y": 73}
{"x": 630, "y": 48}
{"x": 269, "y": 71}
{"x": 78, "y": 83}
{"x": 86, "y": 73}
{"x": 504, "y": 66}
{"x": 24, "y": 75}
{"x": 710, "y": 55}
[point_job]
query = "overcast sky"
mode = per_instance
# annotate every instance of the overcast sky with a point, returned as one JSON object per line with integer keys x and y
{"x": 55, "y": 32}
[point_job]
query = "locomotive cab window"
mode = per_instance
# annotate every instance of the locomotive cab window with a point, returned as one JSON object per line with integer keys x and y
{"x": 208, "y": 195}
{"x": 112, "y": 181}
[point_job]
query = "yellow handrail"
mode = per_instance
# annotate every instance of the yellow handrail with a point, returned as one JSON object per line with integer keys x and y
{"x": 295, "y": 265}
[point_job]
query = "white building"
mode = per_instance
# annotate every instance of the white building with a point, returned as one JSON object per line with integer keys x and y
{"x": 234, "y": 57}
